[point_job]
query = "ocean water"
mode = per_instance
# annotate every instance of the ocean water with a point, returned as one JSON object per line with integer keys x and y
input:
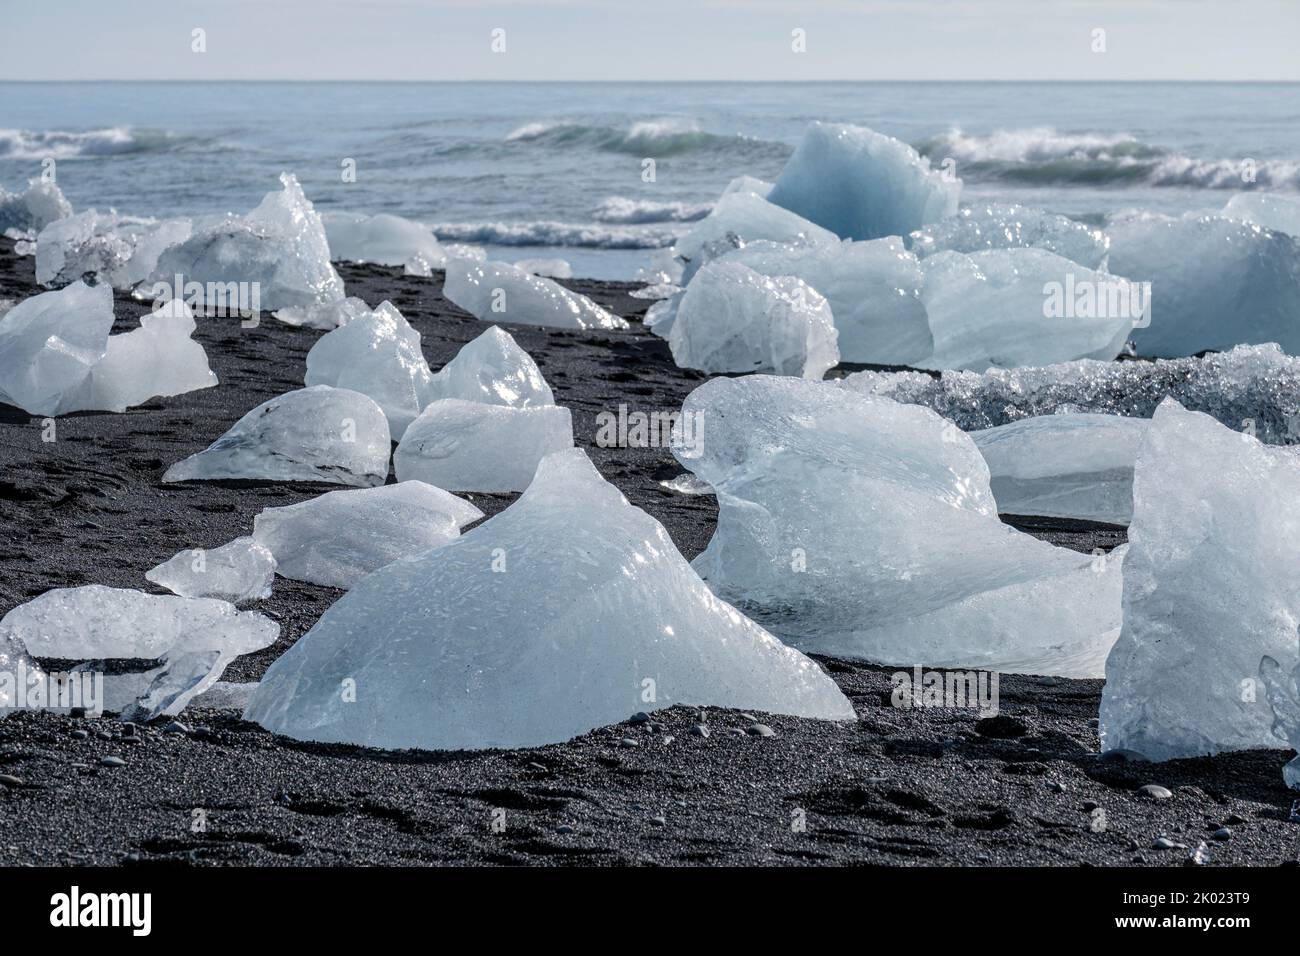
{"x": 557, "y": 169}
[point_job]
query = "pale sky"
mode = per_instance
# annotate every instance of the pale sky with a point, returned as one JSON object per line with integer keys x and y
{"x": 650, "y": 39}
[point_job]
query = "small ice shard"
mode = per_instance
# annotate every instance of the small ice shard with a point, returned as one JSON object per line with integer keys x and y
{"x": 279, "y": 248}
{"x": 492, "y": 369}
{"x": 749, "y": 217}
{"x": 862, "y": 528}
{"x": 594, "y": 602}
{"x": 1012, "y": 307}
{"x": 873, "y": 289}
{"x": 158, "y": 359}
{"x": 341, "y": 536}
{"x": 33, "y": 209}
{"x": 317, "y": 433}
{"x": 1211, "y": 586}
{"x": 384, "y": 239}
{"x": 377, "y": 354}
{"x": 239, "y": 571}
{"x": 120, "y": 250}
{"x": 101, "y": 623}
{"x": 550, "y": 268}
{"x": 1253, "y": 387}
{"x": 659, "y": 318}
{"x": 861, "y": 184}
{"x": 473, "y": 446}
{"x": 50, "y": 343}
{"x": 1215, "y": 282}
{"x": 1283, "y": 692}
{"x": 1010, "y": 226}
{"x": 1064, "y": 466}
{"x": 225, "y": 695}
{"x": 183, "y": 675}
{"x": 1270, "y": 210}
{"x": 732, "y": 319}
{"x": 687, "y": 484}
{"x": 325, "y": 317}
{"x": 500, "y": 292}
{"x": 656, "y": 292}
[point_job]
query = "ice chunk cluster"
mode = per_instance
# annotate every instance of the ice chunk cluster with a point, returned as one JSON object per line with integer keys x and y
{"x": 1211, "y": 586}
{"x": 280, "y": 248}
{"x": 1283, "y": 693}
{"x": 593, "y": 601}
{"x": 377, "y": 354}
{"x": 863, "y": 528}
{"x": 500, "y": 292}
{"x": 1270, "y": 210}
{"x": 1064, "y": 466}
{"x": 1011, "y": 226}
{"x": 733, "y": 319}
{"x": 747, "y": 217}
{"x": 1215, "y": 282}
{"x": 239, "y": 572}
{"x": 385, "y": 239}
{"x": 317, "y": 433}
{"x": 861, "y": 184}
{"x": 30, "y": 211}
{"x": 994, "y": 308}
{"x": 341, "y": 536}
{"x": 57, "y": 356}
{"x": 119, "y": 250}
{"x": 872, "y": 288}
{"x": 474, "y": 446}
{"x": 1253, "y": 388}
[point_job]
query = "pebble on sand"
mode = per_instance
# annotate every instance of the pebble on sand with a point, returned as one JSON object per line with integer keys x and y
{"x": 1154, "y": 791}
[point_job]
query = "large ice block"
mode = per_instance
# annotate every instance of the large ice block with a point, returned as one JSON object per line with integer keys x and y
{"x": 239, "y": 571}
{"x": 1211, "y": 586}
{"x": 280, "y": 248}
{"x": 495, "y": 370}
{"x": 500, "y": 292}
{"x": 732, "y": 319}
{"x": 473, "y": 446}
{"x": 377, "y": 354}
{"x": 568, "y": 611}
{"x": 862, "y": 528}
{"x": 1215, "y": 282}
{"x": 340, "y": 537}
{"x": 861, "y": 184}
{"x": 317, "y": 433}
{"x": 1011, "y": 307}
{"x": 386, "y": 239}
{"x": 120, "y": 250}
{"x": 1010, "y": 226}
{"x": 40, "y": 204}
{"x": 1064, "y": 466}
{"x": 1253, "y": 388}
{"x": 873, "y": 290}
{"x": 1270, "y": 210}
{"x": 749, "y": 217}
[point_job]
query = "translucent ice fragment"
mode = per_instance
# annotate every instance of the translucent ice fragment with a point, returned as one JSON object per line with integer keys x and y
{"x": 385, "y": 239}
{"x": 492, "y": 369}
{"x": 749, "y": 217}
{"x": 239, "y": 572}
{"x": 499, "y": 292}
{"x": 1270, "y": 210}
{"x": 120, "y": 250}
{"x": 33, "y": 209}
{"x": 50, "y": 343}
{"x": 1009, "y": 226}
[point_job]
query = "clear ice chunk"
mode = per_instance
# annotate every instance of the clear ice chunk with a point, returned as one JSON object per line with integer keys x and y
{"x": 317, "y": 433}
{"x": 1253, "y": 387}
{"x": 991, "y": 309}
{"x": 500, "y": 292}
{"x": 325, "y": 317}
{"x": 1011, "y": 226}
{"x": 384, "y": 239}
{"x": 492, "y": 369}
{"x": 341, "y": 536}
{"x": 1064, "y": 466}
{"x": 473, "y": 446}
{"x": 121, "y": 250}
{"x": 592, "y": 605}
{"x": 226, "y": 695}
{"x": 861, "y": 184}
{"x": 859, "y": 527}
{"x": 1270, "y": 210}
{"x": 50, "y": 343}
{"x": 279, "y": 248}
{"x": 873, "y": 289}
{"x": 377, "y": 354}
{"x": 1283, "y": 692}
{"x": 239, "y": 572}
{"x": 1211, "y": 586}
{"x": 733, "y": 319}
{"x": 1215, "y": 282}
{"x": 33, "y": 209}
{"x": 748, "y": 217}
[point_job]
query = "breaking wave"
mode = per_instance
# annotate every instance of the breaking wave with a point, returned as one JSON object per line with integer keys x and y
{"x": 657, "y": 137}
{"x": 67, "y": 144}
{"x": 548, "y": 233}
{"x": 620, "y": 209}
{"x": 1042, "y": 155}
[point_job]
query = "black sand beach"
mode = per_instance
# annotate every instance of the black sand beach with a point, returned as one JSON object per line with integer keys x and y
{"x": 900, "y": 787}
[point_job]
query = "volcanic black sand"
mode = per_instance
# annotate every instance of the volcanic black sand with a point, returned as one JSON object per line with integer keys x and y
{"x": 898, "y": 786}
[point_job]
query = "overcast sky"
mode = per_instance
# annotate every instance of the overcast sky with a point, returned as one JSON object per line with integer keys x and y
{"x": 650, "y": 39}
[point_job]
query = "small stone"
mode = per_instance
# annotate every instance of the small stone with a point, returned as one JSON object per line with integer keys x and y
{"x": 659, "y": 821}
{"x": 628, "y": 742}
{"x": 1153, "y": 791}
{"x": 1234, "y": 820}
{"x": 9, "y": 780}
{"x": 1090, "y": 805}
{"x": 667, "y": 739}
{"x": 760, "y": 730}
{"x": 1223, "y": 833}
{"x": 176, "y": 727}
{"x": 534, "y": 765}
{"x": 640, "y": 717}
{"x": 699, "y": 730}
{"x": 1164, "y": 843}
{"x": 112, "y": 762}
{"x": 1056, "y": 786}
{"x": 564, "y": 829}
{"x": 79, "y": 735}
{"x": 749, "y": 717}
{"x": 1001, "y": 727}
